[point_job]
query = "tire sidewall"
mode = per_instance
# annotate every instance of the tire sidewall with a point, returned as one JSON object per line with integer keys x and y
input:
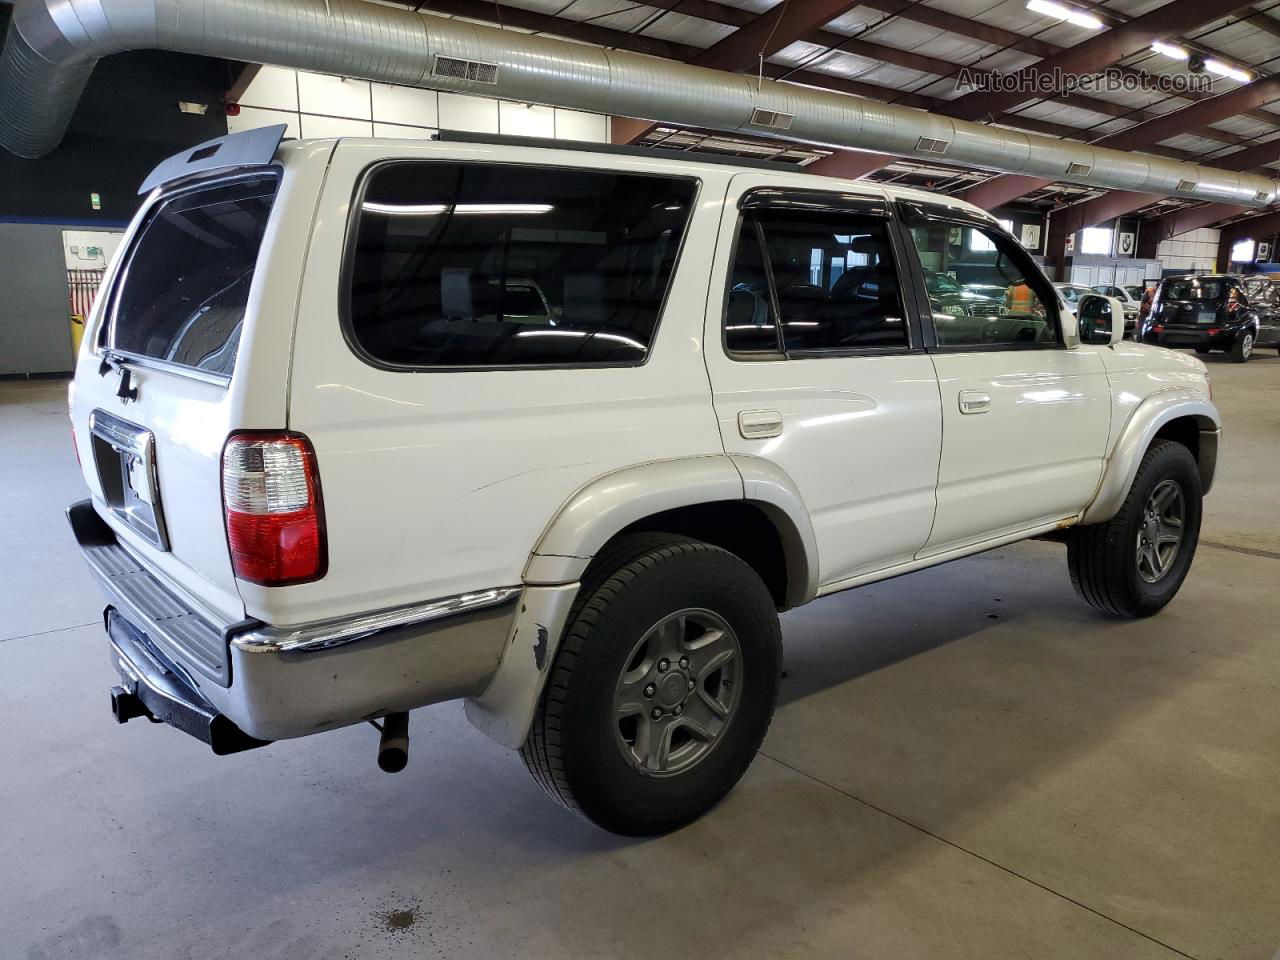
{"x": 607, "y": 788}
{"x": 1173, "y": 462}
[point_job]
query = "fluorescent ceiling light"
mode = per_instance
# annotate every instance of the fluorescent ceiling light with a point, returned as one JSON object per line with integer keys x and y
{"x": 1070, "y": 14}
{"x": 1169, "y": 50}
{"x": 433, "y": 209}
{"x": 1226, "y": 70}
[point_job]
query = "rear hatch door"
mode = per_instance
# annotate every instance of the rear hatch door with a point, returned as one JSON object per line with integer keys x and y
{"x": 154, "y": 403}
{"x": 1191, "y": 302}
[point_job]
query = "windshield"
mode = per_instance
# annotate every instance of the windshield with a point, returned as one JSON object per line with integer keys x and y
{"x": 1136, "y": 292}
{"x": 183, "y": 293}
{"x": 1193, "y": 289}
{"x": 942, "y": 283}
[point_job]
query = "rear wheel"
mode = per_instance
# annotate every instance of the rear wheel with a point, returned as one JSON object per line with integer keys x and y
{"x": 1242, "y": 349}
{"x": 663, "y": 688}
{"x": 1202, "y": 350}
{"x": 1133, "y": 564}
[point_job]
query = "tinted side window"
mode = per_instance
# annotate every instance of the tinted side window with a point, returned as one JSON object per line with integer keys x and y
{"x": 750, "y": 325}
{"x": 470, "y": 264}
{"x": 182, "y": 297}
{"x": 836, "y": 282}
{"x": 1001, "y": 303}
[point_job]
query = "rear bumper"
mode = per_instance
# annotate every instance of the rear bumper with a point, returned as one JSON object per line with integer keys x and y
{"x": 258, "y": 682}
{"x": 1190, "y": 336}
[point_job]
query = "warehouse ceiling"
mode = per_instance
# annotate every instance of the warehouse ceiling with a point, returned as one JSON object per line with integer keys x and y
{"x": 913, "y": 52}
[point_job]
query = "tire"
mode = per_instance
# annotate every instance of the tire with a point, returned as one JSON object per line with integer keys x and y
{"x": 1107, "y": 568}
{"x": 1202, "y": 350}
{"x": 586, "y": 755}
{"x": 1242, "y": 349}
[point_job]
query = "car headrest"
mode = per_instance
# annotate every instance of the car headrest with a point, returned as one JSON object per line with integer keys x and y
{"x": 584, "y": 301}
{"x": 458, "y": 292}
{"x": 742, "y": 308}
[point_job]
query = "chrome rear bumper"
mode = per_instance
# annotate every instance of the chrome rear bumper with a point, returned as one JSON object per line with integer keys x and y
{"x": 274, "y": 683}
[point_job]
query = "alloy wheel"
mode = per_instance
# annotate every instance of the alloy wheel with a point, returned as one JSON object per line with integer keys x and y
{"x": 677, "y": 693}
{"x": 1160, "y": 534}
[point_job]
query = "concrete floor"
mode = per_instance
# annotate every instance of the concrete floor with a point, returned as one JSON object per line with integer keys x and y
{"x": 968, "y": 762}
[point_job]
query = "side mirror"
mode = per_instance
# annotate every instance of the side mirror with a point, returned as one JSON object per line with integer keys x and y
{"x": 1100, "y": 319}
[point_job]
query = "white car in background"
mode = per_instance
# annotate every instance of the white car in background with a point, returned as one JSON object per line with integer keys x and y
{"x": 1072, "y": 292}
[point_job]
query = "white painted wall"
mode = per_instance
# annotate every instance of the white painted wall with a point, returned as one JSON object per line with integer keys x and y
{"x": 314, "y": 105}
{"x": 1194, "y": 252}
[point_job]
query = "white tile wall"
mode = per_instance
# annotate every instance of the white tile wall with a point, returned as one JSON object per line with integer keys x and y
{"x": 476, "y": 114}
{"x": 275, "y": 87}
{"x": 407, "y": 106}
{"x": 314, "y": 105}
{"x": 334, "y": 96}
{"x": 251, "y": 117}
{"x": 316, "y": 126}
{"x": 1194, "y": 252}
{"x": 525, "y": 120}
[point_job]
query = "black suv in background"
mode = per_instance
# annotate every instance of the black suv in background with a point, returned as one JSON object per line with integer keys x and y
{"x": 1212, "y": 312}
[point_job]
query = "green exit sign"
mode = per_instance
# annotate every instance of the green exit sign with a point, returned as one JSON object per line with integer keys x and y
{"x": 95, "y": 201}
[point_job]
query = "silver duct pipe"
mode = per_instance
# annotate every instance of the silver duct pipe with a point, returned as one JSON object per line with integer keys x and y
{"x": 53, "y": 45}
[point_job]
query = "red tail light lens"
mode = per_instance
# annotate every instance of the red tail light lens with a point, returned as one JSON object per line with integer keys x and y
{"x": 271, "y": 501}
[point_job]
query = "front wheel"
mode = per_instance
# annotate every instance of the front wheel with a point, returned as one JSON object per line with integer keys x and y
{"x": 1242, "y": 349}
{"x": 1133, "y": 564}
{"x": 663, "y": 687}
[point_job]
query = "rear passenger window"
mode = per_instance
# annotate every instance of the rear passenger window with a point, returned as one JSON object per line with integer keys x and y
{"x": 467, "y": 264}
{"x": 830, "y": 279}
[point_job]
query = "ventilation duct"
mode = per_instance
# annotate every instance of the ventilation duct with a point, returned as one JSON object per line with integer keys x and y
{"x": 52, "y": 46}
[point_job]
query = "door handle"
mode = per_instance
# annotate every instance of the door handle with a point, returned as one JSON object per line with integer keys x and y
{"x": 974, "y": 401}
{"x": 759, "y": 424}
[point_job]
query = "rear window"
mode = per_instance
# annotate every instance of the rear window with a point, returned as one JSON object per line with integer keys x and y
{"x": 472, "y": 264}
{"x": 1193, "y": 290}
{"x": 183, "y": 293}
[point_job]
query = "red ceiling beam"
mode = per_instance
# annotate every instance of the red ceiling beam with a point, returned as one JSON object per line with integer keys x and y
{"x": 1264, "y": 224}
{"x": 1108, "y": 47}
{"x": 770, "y": 32}
{"x": 1158, "y": 229}
{"x": 1089, "y": 56}
{"x": 1000, "y": 190}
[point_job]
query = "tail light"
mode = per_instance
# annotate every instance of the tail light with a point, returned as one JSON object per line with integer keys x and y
{"x": 274, "y": 515}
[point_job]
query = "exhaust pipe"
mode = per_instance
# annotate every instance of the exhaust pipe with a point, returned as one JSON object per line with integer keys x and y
{"x": 393, "y": 745}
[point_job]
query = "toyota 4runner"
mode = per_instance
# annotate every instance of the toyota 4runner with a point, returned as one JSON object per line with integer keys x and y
{"x": 369, "y": 425}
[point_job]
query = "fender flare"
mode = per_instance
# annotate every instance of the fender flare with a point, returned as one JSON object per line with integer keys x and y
{"x": 609, "y": 504}
{"x": 585, "y": 523}
{"x": 1136, "y": 436}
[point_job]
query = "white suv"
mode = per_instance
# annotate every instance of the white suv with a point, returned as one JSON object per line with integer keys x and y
{"x": 370, "y": 424}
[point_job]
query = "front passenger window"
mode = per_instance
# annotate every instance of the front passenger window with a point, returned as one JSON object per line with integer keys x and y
{"x": 999, "y": 303}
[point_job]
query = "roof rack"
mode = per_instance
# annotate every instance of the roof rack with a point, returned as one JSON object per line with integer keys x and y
{"x": 624, "y": 150}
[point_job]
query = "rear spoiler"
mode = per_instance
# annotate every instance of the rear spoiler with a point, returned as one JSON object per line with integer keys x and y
{"x": 250, "y": 148}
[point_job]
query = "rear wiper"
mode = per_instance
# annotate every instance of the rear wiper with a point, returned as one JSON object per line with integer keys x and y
{"x": 125, "y": 390}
